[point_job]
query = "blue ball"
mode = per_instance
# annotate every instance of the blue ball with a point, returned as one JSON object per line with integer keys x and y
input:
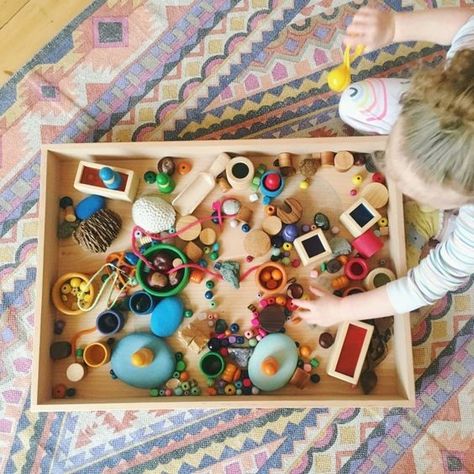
{"x": 245, "y": 228}
{"x": 208, "y": 295}
{"x": 234, "y": 327}
{"x": 89, "y": 206}
{"x": 290, "y": 232}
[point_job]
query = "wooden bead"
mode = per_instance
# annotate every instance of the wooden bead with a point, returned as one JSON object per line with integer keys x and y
{"x": 305, "y": 351}
{"x": 272, "y": 225}
{"x": 340, "y": 282}
{"x": 207, "y": 236}
{"x": 196, "y": 275}
{"x": 270, "y": 366}
{"x": 192, "y": 232}
{"x": 376, "y": 194}
{"x": 193, "y": 252}
{"x": 244, "y": 215}
{"x": 343, "y": 161}
{"x": 257, "y": 243}
{"x": 270, "y": 210}
{"x": 327, "y": 158}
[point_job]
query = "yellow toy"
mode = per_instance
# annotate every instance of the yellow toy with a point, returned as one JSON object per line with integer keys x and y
{"x": 340, "y": 77}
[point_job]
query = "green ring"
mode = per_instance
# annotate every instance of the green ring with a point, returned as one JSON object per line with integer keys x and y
{"x": 202, "y": 364}
{"x": 141, "y": 266}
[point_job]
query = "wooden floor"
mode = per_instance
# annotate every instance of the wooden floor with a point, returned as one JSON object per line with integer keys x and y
{"x": 26, "y": 26}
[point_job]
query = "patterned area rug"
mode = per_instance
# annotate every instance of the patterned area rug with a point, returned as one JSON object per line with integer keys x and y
{"x": 182, "y": 69}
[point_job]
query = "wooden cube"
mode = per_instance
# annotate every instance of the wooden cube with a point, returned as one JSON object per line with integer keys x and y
{"x": 361, "y": 216}
{"x": 312, "y": 247}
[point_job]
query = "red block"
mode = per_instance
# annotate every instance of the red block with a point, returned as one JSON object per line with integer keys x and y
{"x": 367, "y": 244}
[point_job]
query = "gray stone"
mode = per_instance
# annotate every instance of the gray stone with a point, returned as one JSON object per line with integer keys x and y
{"x": 230, "y": 271}
{"x": 230, "y": 207}
{"x": 241, "y": 355}
{"x": 60, "y": 350}
{"x": 340, "y": 246}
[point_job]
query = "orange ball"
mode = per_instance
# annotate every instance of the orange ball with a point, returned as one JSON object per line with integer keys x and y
{"x": 266, "y": 275}
{"x": 305, "y": 351}
{"x": 281, "y": 300}
{"x": 211, "y": 391}
{"x": 271, "y": 284}
{"x": 183, "y": 376}
{"x": 277, "y": 275}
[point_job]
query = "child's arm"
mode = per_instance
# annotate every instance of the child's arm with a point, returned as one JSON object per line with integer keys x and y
{"x": 376, "y": 28}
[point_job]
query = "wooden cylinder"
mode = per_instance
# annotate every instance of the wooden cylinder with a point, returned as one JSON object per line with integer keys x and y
{"x": 327, "y": 158}
{"x": 378, "y": 277}
{"x": 240, "y": 172}
{"x": 343, "y": 161}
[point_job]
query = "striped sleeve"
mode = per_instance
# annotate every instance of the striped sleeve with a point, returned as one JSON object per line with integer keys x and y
{"x": 463, "y": 39}
{"x": 445, "y": 268}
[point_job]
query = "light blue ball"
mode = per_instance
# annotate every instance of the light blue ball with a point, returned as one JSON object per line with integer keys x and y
{"x": 89, "y": 206}
{"x": 167, "y": 316}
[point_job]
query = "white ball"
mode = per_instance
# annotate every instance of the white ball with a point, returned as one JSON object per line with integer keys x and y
{"x": 153, "y": 214}
{"x": 234, "y": 223}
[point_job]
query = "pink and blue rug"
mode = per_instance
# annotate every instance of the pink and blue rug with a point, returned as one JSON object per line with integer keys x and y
{"x": 163, "y": 69}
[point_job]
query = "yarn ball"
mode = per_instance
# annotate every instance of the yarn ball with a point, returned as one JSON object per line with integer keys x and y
{"x": 153, "y": 214}
{"x": 98, "y": 231}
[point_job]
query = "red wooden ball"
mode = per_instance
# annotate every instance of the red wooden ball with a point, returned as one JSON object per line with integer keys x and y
{"x": 272, "y": 181}
{"x": 378, "y": 178}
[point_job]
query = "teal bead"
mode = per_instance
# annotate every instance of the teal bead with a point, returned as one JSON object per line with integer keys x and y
{"x": 323, "y": 267}
{"x": 149, "y": 177}
{"x": 188, "y": 313}
{"x": 213, "y": 305}
{"x": 178, "y": 355}
{"x": 178, "y": 391}
{"x": 314, "y": 363}
{"x": 185, "y": 386}
{"x": 154, "y": 392}
{"x": 214, "y": 256}
{"x": 209, "y": 284}
{"x": 195, "y": 391}
{"x": 215, "y": 246}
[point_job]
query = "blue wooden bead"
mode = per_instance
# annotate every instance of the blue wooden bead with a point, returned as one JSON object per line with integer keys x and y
{"x": 245, "y": 228}
{"x": 208, "y": 295}
{"x": 234, "y": 327}
{"x": 240, "y": 340}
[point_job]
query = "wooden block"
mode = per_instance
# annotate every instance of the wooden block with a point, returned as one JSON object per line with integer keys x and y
{"x": 378, "y": 277}
{"x": 190, "y": 233}
{"x": 300, "y": 378}
{"x": 360, "y": 217}
{"x": 207, "y": 236}
{"x": 384, "y": 231}
{"x": 327, "y": 158}
{"x": 294, "y": 214}
{"x": 257, "y": 243}
{"x": 193, "y": 251}
{"x": 312, "y": 247}
{"x": 87, "y": 181}
{"x": 271, "y": 225}
{"x": 376, "y": 194}
{"x": 349, "y": 350}
{"x": 343, "y": 161}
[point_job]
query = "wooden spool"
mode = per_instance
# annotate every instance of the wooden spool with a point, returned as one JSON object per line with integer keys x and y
{"x": 343, "y": 161}
{"x": 244, "y": 215}
{"x": 240, "y": 172}
{"x": 207, "y": 236}
{"x": 294, "y": 214}
{"x": 376, "y": 194}
{"x": 191, "y": 233}
{"x": 378, "y": 277}
{"x": 257, "y": 243}
{"x": 327, "y": 158}
{"x": 272, "y": 225}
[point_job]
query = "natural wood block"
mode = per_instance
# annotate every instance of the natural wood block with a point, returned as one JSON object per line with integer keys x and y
{"x": 312, "y": 247}
{"x": 376, "y": 194}
{"x": 343, "y": 161}
{"x": 257, "y": 243}
{"x": 272, "y": 225}
{"x": 361, "y": 216}
{"x": 193, "y": 251}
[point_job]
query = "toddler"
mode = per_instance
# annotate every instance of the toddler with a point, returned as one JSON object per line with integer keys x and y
{"x": 429, "y": 157}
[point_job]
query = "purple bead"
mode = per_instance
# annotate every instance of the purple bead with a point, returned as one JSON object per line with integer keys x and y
{"x": 290, "y": 232}
{"x": 232, "y": 339}
{"x": 305, "y": 228}
{"x": 59, "y": 326}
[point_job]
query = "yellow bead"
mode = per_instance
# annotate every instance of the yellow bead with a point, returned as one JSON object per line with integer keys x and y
{"x": 87, "y": 298}
{"x": 304, "y": 184}
{"x": 83, "y": 286}
{"x": 287, "y": 246}
{"x": 383, "y": 222}
{"x": 281, "y": 300}
{"x": 75, "y": 282}
{"x": 66, "y": 289}
{"x": 357, "y": 179}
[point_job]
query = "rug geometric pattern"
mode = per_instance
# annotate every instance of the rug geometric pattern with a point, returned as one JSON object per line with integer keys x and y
{"x": 208, "y": 69}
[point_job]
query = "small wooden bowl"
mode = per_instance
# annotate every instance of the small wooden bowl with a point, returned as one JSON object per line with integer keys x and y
{"x": 58, "y": 303}
{"x": 271, "y": 267}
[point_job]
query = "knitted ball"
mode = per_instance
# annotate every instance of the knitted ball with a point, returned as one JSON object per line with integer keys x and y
{"x": 153, "y": 214}
{"x": 98, "y": 231}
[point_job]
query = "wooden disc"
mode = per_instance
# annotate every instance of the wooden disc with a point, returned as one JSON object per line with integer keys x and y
{"x": 272, "y": 225}
{"x": 375, "y": 194}
{"x": 193, "y": 252}
{"x": 343, "y": 161}
{"x": 207, "y": 236}
{"x": 191, "y": 233}
{"x": 75, "y": 372}
{"x": 272, "y": 317}
{"x": 257, "y": 243}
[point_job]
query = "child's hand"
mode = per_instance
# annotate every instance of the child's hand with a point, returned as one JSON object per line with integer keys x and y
{"x": 372, "y": 28}
{"x": 323, "y": 311}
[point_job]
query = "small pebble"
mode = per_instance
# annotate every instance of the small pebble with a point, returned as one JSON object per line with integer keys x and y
{"x": 326, "y": 340}
{"x": 59, "y": 326}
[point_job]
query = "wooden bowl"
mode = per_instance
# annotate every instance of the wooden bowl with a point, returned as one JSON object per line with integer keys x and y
{"x": 261, "y": 278}
{"x": 61, "y": 305}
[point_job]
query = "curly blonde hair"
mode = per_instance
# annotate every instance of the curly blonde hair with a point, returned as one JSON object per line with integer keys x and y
{"x": 438, "y": 123}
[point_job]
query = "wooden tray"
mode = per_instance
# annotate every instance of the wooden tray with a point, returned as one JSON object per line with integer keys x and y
{"x": 329, "y": 193}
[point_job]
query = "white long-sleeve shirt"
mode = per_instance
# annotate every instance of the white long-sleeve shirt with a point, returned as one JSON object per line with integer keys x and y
{"x": 448, "y": 265}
